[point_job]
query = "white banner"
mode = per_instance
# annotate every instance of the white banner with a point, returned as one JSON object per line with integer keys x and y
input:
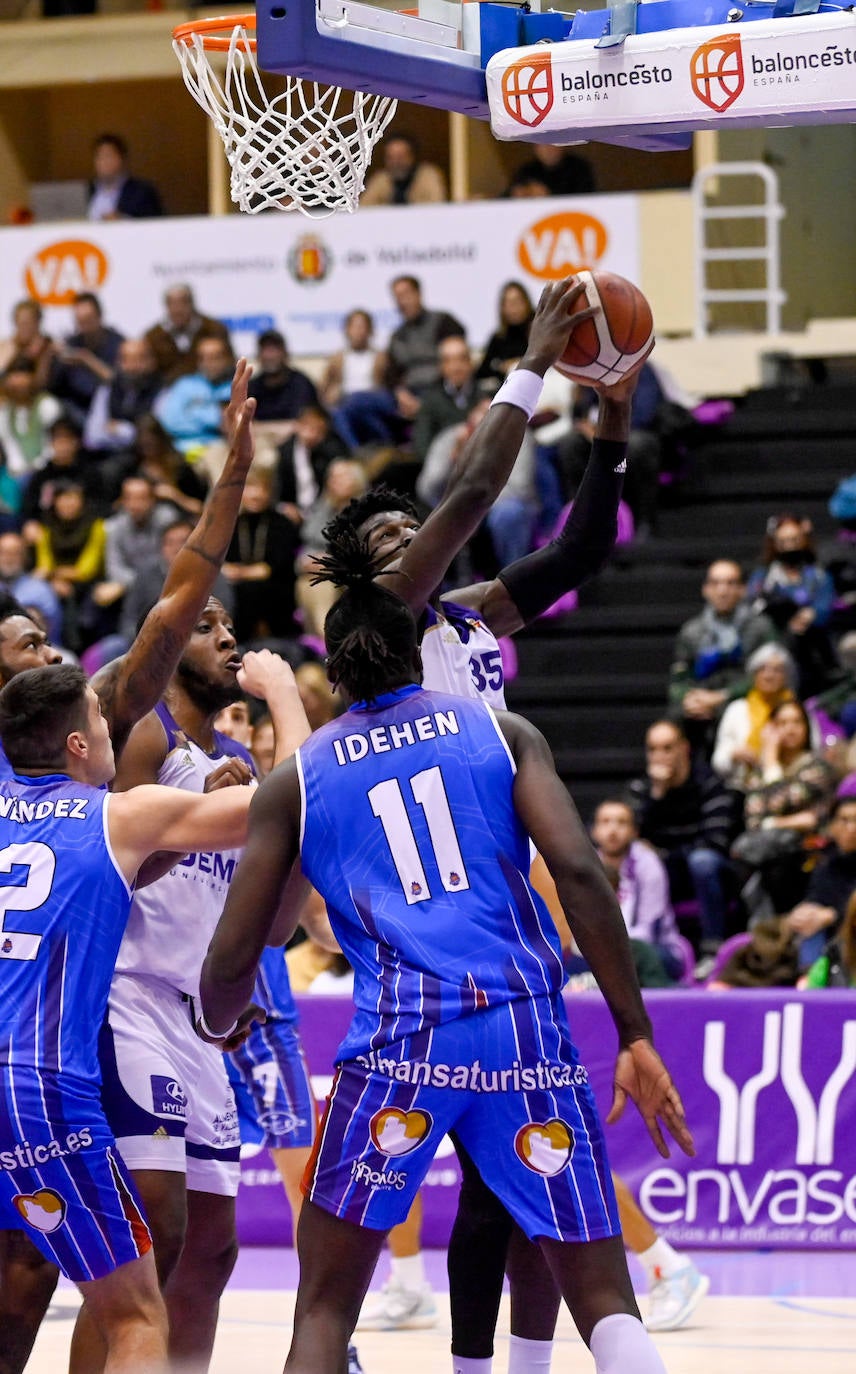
{"x": 771, "y": 72}
{"x": 275, "y": 272}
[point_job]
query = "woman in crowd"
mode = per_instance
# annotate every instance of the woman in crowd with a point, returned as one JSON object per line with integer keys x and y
{"x": 175, "y": 480}
{"x": 798, "y": 596}
{"x": 70, "y": 556}
{"x": 507, "y": 345}
{"x": 737, "y": 747}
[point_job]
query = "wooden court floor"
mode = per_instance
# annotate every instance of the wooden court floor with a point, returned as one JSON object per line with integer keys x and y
{"x": 796, "y": 1335}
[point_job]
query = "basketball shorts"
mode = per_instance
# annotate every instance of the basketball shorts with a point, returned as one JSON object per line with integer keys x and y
{"x": 166, "y": 1093}
{"x": 508, "y": 1081}
{"x": 62, "y": 1179}
{"x": 270, "y": 1079}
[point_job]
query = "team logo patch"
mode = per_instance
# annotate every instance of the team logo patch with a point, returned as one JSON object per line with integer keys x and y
{"x": 45, "y": 1210}
{"x": 716, "y": 71}
{"x": 545, "y": 1147}
{"x": 527, "y": 89}
{"x": 395, "y": 1132}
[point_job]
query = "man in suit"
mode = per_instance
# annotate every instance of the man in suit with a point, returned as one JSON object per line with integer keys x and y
{"x": 113, "y": 193}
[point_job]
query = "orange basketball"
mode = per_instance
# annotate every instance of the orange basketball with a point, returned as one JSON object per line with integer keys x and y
{"x": 604, "y": 348}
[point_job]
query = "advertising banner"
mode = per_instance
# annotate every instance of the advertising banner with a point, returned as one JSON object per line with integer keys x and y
{"x": 768, "y": 1082}
{"x": 771, "y": 72}
{"x": 279, "y": 271}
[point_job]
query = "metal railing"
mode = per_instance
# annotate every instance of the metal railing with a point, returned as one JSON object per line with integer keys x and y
{"x": 770, "y": 211}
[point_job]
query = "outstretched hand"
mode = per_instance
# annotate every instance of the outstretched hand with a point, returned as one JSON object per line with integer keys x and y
{"x": 641, "y": 1075}
{"x": 554, "y": 321}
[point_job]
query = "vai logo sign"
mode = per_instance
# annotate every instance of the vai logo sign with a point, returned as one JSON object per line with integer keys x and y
{"x": 716, "y": 71}
{"x": 560, "y": 244}
{"x": 56, "y": 274}
{"x": 781, "y": 1058}
{"x": 527, "y": 89}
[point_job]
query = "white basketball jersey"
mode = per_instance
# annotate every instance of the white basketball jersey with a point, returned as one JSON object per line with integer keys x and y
{"x": 173, "y": 919}
{"x": 460, "y": 655}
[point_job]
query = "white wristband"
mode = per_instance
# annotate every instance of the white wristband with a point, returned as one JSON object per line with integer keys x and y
{"x": 212, "y": 1034}
{"x": 522, "y": 389}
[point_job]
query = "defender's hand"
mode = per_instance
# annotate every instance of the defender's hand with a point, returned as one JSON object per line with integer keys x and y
{"x": 641, "y": 1075}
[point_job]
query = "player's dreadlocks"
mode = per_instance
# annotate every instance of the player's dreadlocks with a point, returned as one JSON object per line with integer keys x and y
{"x": 362, "y": 508}
{"x": 371, "y": 635}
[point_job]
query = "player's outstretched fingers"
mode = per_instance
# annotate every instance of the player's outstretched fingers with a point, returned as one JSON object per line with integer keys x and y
{"x": 619, "y": 1102}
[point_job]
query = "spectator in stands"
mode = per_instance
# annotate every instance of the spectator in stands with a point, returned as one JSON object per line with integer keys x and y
{"x": 117, "y": 406}
{"x": 302, "y": 463}
{"x": 176, "y": 482}
{"x": 711, "y": 649}
{"x": 413, "y": 358}
{"x": 450, "y": 399}
{"x": 113, "y": 192}
{"x": 739, "y": 736}
{"x": 133, "y": 539}
{"x": 357, "y": 371}
{"x": 511, "y": 519}
{"x": 643, "y": 883}
{"x": 67, "y": 461}
{"x": 798, "y": 596}
{"x": 787, "y": 802}
{"x": 509, "y": 341}
{"x": 836, "y": 966}
{"x": 404, "y": 179}
{"x": 641, "y": 485}
{"x": 146, "y": 587}
{"x": 191, "y": 409}
{"x": 28, "y": 342}
{"x": 344, "y": 481}
{"x": 553, "y": 171}
{"x": 29, "y": 591}
{"x": 26, "y": 416}
{"x": 280, "y": 391}
{"x": 70, "y": 557}
{"x": 260, "y": 566}
{"x": 174, "y": 339}
{"x": 831, "y": 885}
{"x": 839, "y": 702}
{"x": 685, "y": 812}
{"x": 86, "y": 360}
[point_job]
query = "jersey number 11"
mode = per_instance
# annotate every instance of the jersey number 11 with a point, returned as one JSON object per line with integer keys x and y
{"x": 429, "y": 792}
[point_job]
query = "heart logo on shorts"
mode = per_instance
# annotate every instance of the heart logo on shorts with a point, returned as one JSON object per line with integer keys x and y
{"x": 395, "y": 1132}
{"x": 45, "y": 1210}
{"x": 545, "y": 1147}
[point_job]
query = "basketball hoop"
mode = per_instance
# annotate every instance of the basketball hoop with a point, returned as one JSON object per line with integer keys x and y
{"x": 306, "y": 148}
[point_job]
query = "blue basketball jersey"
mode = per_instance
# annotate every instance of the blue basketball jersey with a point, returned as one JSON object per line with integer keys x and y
{"x": 273, "y": 986}
{"x": 63, "y": 907}
{"x": 411, "y": 837}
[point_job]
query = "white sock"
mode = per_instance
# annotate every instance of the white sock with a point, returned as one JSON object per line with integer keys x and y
{"x": 620, "y": 1343}
{"x": 461, "y": 1365}
{"x": 529, "y": 1357}
{"x": 660, "y": 1261}
{"x": 408, "y": 1272}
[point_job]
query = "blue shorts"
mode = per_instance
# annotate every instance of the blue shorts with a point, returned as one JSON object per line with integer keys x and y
{"x": 509, "y": 1083}
{"x": 270, "y": 1078}
{"x": 62, "y": 1178}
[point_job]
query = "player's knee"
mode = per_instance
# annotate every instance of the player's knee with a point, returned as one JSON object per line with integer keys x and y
{"x": 27, "y": 1284}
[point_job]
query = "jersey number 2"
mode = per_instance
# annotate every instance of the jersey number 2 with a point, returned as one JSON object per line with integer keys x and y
{"x": 35, "y": 864}
{"x": 429, "y": 792}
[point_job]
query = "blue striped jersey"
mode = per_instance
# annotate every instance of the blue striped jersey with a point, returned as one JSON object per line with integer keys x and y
{"x": 409, "y": 833}
{"x": 272, "y": 989}
{"x": 63, "y": 908}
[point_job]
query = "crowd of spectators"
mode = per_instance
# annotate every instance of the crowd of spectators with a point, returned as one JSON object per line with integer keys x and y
{"x": 108, "y": 445}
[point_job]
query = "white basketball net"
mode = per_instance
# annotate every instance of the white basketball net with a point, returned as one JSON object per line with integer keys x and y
{"x": 307, "y": 148}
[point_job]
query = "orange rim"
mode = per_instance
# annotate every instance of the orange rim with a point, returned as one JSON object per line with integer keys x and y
{"x": 216, "y": 34}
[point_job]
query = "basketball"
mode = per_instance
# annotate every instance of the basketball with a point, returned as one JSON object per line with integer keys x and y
{"x": 604, "y": 348}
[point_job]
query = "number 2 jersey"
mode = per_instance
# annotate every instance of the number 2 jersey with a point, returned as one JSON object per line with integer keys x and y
{"x": 409, "y": 833}
{"x": 64, "y": 905}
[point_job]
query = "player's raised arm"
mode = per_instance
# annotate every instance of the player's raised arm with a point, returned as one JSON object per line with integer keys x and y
{"x": 490, "y": 454}
{"x": 130, "y": 687}
{"x": 595, "y": 919}
{"x": 525, "y": 589}
{"x": 273, "y": 844}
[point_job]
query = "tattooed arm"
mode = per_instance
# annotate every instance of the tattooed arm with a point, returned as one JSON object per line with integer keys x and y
{"x": 131, "y": 686}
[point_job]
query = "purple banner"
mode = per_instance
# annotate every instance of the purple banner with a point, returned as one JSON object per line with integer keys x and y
{"x": 769, "y": 1085}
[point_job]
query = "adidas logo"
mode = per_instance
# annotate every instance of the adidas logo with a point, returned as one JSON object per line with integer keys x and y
{"x": 160, "y": 1134}
{"x": 622, "y": 466}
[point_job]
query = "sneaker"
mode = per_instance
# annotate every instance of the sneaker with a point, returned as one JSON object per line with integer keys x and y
{"x": 673, "y": 1300}
{"x": 354, "y": 1366}
{"x": 399, "y": 1309}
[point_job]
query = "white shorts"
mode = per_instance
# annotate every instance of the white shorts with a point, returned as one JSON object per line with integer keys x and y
{"x": 166, "y": 1093}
